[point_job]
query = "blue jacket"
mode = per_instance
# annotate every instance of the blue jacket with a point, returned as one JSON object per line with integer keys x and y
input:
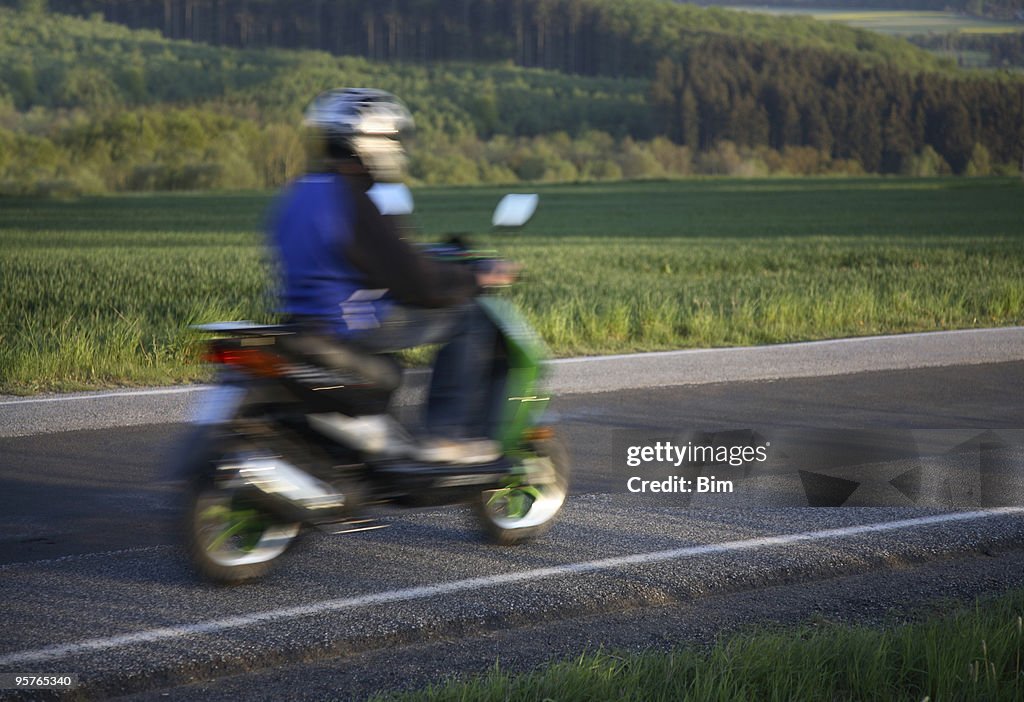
{"x": 312, "y": 230}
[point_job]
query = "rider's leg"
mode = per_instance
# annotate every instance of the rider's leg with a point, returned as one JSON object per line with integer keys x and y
{"x": 460, "y": 383}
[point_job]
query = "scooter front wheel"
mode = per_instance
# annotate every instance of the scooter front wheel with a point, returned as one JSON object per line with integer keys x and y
{"x": 530, "y": 501}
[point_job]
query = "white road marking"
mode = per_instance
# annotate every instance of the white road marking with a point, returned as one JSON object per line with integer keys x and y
{"x": 639, "y": 357}
{"x": 852, "y": 340}
{"x": 104, "y": 395}
{"x": 426, "y": 591}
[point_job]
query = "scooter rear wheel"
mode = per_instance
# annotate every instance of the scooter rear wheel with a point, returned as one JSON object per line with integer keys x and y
{"x": 228, "y": 539}
{"x": 528, "y": 505}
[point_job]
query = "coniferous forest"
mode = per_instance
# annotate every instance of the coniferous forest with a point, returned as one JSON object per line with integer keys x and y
{"x": 590, "y": 37}
{"x": 502, "y": 90}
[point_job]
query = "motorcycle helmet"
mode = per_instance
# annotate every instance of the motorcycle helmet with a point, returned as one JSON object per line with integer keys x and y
{"x": 362, "y": 124}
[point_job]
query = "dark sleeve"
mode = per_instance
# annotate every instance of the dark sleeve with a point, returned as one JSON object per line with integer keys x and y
{"x": 389, "y": 261}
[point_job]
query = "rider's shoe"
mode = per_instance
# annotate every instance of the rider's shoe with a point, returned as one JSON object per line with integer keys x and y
{"x": 382, "y": 436}
{"x": 374, "y": 434}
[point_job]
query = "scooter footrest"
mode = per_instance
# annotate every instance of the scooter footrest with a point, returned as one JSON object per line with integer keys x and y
{"x": 349, "y": 526}
{"x": 434, "y": 475}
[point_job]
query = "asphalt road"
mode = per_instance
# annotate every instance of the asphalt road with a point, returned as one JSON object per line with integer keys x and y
{"x": 91, "y": 581}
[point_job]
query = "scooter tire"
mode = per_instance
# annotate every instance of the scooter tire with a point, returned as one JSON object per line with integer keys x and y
{"x": 505, "y": 529}
{"x": 227, "y": 545}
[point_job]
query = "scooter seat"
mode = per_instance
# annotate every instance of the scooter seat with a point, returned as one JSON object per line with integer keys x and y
{"x": 383, "y": 372}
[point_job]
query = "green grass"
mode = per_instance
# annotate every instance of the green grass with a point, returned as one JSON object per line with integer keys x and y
{"x": 98, "y": 292}
{"x": 972, "y": 654}
{"x": 897, "y": 22}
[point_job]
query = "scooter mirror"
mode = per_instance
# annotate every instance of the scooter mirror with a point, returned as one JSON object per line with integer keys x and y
{"x": 515, "y": 210}
{"x": 391, "y": 198}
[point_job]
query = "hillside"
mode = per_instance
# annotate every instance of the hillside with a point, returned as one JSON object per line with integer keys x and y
{"x": 66, "y": 62}
{"x": 591, "y": 37}
{"x": 92, "y": 106}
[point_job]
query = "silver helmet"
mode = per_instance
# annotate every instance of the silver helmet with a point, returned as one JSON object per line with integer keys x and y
{"x": 363, "y": 123}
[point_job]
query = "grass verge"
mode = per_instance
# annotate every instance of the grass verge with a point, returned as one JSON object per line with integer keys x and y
{"x": 99, "y": 292}
{"x": 973, "y": 654}
{"x": 898, "y": 22}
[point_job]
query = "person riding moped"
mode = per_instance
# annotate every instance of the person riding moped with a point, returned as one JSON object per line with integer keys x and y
{"x": 348, "y": 275}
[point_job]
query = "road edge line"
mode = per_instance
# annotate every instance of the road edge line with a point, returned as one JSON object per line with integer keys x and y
{"x": 827, "y": 358}
{"x": 217, "y": 626}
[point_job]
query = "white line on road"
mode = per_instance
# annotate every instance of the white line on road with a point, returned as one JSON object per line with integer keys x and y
{"x": 593, "y": 374}
{"x": 416, "y": 593}
{"x": 103, "y": 395}
{"x": 885, "y": 346}
{"x": 820, "y": 343}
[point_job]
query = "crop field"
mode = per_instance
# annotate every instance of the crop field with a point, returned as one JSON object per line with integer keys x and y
{"x": 899, "y": 22}
{"x": 99, "y": 292}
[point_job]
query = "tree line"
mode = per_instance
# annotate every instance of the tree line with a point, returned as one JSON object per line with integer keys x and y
{"x": 91, "y": 106}
{"x": 157, "y": 149}
{"x": 591, "y": 37}
{"x": 752, "y": 94}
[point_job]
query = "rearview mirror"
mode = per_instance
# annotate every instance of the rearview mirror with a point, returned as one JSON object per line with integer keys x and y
{"x": 515, "y": 210}
{"x": 391, "y": 198}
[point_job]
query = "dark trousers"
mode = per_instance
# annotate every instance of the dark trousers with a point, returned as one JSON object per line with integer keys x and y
{"x": 462, "y": 398}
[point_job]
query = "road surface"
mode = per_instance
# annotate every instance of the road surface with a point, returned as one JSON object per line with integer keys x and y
{"x": 93, "y": 583}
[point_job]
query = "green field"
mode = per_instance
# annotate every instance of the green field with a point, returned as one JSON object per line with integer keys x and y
{"x": 971, "y": 654}
{"x": 98, "y": 292}
{"x": 895, "y": 22}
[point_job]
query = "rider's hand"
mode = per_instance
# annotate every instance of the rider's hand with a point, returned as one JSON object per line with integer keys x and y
{"x": 500, "y": 273}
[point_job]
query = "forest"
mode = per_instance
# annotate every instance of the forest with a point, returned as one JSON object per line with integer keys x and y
{"x": 591, "y": 37}
{"x": 88, "y": 105}
{"x": 753, "y": 94}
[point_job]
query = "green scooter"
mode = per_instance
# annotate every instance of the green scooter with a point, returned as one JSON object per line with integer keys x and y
{"x": 282, "y": 445}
